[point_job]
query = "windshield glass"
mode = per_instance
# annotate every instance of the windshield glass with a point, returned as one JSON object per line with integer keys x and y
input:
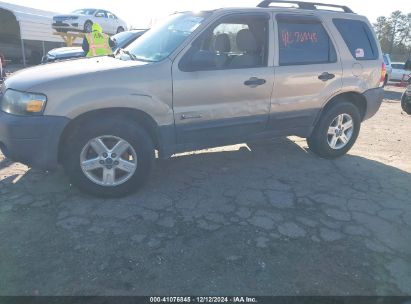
{"x": 85, "y": 11}
{"x": 124, "y": 38}
{"x": 159, "y": 42}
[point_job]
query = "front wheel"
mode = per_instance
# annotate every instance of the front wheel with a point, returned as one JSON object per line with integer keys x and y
{"x": 337, "y": 130}
{"x": 109, "y": 159}
{"x": 120, "y": 30}
{"x": 88, "y": 27}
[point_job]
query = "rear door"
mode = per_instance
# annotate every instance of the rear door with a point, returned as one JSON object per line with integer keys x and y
{"x": 398, "y": 71}
{"x": 307, "y": 71}
{"x": 101, "y": 18}
{"x": 113, "y": 22}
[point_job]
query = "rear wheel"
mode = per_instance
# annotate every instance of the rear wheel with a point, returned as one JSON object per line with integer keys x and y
{"x": 120, "y": 29}
{"x": 109, "y": 159}
{"x": 386, "y": 80}
{"x": 337, "y": 130}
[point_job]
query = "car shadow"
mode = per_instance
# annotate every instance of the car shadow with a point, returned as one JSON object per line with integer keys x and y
{"x": 390, "y": 95}
{"x": 234, "y": 167}
{"x": 257, "y": 218}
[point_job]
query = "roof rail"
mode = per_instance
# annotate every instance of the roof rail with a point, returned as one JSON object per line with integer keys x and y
{"x": 305, "y": 5}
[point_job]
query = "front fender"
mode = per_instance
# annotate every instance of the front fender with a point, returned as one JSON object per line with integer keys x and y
{"x": 104, "y": 98}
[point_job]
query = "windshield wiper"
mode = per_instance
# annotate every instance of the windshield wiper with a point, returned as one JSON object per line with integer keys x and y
{"x": 131, "y": 55}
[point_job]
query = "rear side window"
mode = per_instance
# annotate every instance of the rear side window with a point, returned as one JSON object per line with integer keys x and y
{"x": 304, "y": 41}
{"x": 398, "y": 66}
{"x": 359, "y": 38}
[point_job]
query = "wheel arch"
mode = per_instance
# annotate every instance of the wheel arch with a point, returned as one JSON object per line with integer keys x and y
{"x": 138, "y": 116}
{"x": 354, "y": 97}
{"x": 85, "y": 22}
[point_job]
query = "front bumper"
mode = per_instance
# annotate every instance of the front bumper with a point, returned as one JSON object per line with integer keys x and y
{"x": 33, "y": 141}
{"x": 374, "y": 98}
{"x": 66, "y": 26}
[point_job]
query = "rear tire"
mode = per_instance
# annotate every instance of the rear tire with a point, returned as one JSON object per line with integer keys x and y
{"x": 386, "y": 80}
{"x": 120, "y": 30}
{"x": 333, "y": 137}
{"x": 139, "y": 158}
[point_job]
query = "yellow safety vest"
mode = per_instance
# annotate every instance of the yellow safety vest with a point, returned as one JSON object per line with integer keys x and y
{"x": 98, "y": 44}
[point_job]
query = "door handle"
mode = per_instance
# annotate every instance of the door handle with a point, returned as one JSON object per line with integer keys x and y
{"x": 254, "y": 82}
{"x": 326, "y": 76}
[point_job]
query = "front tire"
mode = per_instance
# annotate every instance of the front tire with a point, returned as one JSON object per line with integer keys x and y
{"x": 120, "y": 30}
{"x": 337, "y": 130}
{"x": 88, "y": 26}
{"x": 110, "y": 158}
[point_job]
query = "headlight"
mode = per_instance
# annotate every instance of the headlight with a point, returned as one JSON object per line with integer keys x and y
{"x": 23, "y": 103}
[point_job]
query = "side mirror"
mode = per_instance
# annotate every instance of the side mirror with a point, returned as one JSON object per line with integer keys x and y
{"x": 197, "y": 60}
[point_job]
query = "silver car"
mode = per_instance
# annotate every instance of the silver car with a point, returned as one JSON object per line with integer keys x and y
{"x": 82, "y": 21}
{"x": 197, "y": 80}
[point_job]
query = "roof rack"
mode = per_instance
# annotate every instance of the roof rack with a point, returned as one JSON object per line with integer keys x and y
{"x": 305, "y": 5}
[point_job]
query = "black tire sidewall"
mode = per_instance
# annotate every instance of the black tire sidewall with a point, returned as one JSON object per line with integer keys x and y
{"x": 129, "y": 131}
{"x": 406, "y": 107}
{"x": 85, "y": 26}
{"x": 318, "y": 141}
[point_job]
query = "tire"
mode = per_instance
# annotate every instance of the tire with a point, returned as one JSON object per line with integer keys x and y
{"x": 386, "y": 80}
{"x": 406, "y": 107}
{"x": 88, "y": 26}
{"x": 321, "y": 142}
{"x": 78, "y": 146}
{"x": 120, "y": 30}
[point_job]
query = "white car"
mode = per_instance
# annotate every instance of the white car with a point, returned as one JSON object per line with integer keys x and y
{"x": 82, "y": 21}
{"x": 398, "y": 72}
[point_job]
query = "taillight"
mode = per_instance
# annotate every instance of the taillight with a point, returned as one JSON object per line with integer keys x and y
{"x": 383, "y": 74}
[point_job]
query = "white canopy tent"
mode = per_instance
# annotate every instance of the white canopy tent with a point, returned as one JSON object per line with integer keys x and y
{"x": 35, "y": 25}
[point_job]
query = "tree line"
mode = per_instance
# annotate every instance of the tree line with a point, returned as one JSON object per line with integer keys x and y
{"x": 394, "y": 33}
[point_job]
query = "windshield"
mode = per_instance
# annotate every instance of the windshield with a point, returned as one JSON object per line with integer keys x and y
{"x": 124, "y": 38}
{"x": 85, "y": 11}
{"x": 159, "y": 42}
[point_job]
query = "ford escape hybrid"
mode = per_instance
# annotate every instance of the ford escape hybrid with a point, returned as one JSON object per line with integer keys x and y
{"x": 197, "y": 80}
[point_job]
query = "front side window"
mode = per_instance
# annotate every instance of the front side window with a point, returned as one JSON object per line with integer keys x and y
{"x": 159, "y": 42}
{"x": 304, "y": 41}
{"x": 234, "y": 42}
{"x": 88, "y": 12}
{"x": 101, "y": 14}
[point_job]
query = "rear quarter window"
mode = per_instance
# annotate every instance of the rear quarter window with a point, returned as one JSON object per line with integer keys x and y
{"x": 358, "y": 38}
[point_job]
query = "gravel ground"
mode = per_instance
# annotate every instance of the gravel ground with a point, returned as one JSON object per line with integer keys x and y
{"x": 262, "y": 219}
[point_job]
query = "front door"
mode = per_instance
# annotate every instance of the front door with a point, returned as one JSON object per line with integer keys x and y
{"x": 222, "y": 84}
{"x": 101, "y": 18}
{"x": 308, "y": 72}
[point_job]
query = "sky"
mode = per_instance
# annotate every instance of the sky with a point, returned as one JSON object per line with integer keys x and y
{"x": 139, "y": 14}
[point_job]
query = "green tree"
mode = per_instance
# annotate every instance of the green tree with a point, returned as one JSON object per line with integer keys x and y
{"x": 394, "y": 33}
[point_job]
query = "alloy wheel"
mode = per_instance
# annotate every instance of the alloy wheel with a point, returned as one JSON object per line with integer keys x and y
{"x": 340, "y": 131}
{"x": 108, "y": 161}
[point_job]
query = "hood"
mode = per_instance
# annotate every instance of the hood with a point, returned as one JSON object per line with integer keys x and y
{"x": 28, "y": 79}
{"x": 66, "y": 51}
{"x": 67, "y": 16}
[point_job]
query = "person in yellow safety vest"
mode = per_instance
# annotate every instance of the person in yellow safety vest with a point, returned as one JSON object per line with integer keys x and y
{"x": 97, "y": 43}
